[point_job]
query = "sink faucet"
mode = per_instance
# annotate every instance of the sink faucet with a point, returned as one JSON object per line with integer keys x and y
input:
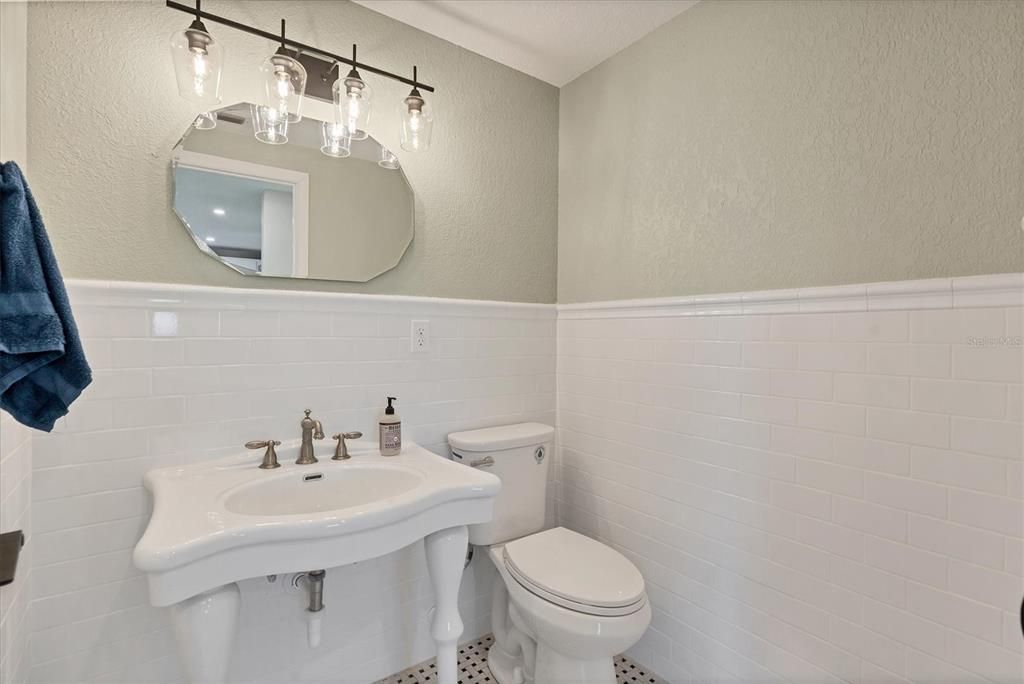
{"x": 311, "y": 429}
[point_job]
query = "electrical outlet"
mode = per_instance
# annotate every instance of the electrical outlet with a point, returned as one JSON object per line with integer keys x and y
{"x": 420, "y": 337}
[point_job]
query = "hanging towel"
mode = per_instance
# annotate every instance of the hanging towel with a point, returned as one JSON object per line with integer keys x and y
{"x": 42, "y": 364}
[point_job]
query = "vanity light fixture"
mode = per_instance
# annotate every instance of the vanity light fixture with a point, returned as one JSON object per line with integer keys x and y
{"x": 284, "y": 82}
{"x": 218, "y": 211}
{"x": 353, "y": 98}
{"x": 417, "y": 120}
{"x": 198, "y": 59}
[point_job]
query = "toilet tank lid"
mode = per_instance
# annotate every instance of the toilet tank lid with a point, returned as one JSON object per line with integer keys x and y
{"x": 502, "y": 437}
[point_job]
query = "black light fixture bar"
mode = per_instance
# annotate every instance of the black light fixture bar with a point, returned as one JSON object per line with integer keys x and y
{"x": 197, "y": 12}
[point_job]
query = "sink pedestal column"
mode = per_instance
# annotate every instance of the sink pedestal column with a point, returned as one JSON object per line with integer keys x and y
{"x": 446, "y": 557}
{"x": 204, "y": 627}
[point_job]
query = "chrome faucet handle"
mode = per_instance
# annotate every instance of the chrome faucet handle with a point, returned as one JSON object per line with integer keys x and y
{"x": 341, "y": 452}
{"x": 270, "y": 457}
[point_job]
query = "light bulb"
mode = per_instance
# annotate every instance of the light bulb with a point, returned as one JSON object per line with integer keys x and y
{"x": 352, "y": 112}
{"x": 413, "y": 140}
{"x": 284, "y": 85}
{"x": 200, "y": 71}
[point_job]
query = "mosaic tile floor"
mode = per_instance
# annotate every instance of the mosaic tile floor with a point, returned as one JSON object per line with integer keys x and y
{"x": 473, "y": 668}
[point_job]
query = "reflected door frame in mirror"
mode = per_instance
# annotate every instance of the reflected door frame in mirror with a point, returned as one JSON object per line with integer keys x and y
{"x": 243, "y": 169}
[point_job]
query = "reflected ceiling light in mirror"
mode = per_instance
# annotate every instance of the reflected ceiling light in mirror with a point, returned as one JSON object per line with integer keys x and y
{"x": 353, "y": 98}
{"x": 268, "y": 125}
{"x": 284, "y": 82}
{"x": 417, "y": 120}
{"x": 198, "y": 59}
{"x": 205, "y": 121}
{"x": 387, "y": 160}
{"x": 218, "y": 211}
{"x": 336, "y": 141}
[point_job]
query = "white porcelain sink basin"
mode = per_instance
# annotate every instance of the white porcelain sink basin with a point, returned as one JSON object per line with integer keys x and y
{"x": 219, "y": 522}
{"x": 225, "y": 520}
{"x": 295, "y": 493}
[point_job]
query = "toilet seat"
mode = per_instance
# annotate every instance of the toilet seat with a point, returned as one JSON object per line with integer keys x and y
{"x": 575, "y": 572}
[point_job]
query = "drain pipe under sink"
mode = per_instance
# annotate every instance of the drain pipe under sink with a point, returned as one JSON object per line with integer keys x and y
{"x": 313, "y": 582}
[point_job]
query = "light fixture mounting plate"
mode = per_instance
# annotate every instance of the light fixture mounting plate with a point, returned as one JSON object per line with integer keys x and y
{"x": 320, "y": 76}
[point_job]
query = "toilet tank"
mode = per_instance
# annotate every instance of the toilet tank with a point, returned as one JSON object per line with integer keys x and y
{"x": 519, "y": 455}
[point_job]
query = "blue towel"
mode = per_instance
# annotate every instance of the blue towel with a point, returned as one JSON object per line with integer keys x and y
{"x": 42, "y": 364}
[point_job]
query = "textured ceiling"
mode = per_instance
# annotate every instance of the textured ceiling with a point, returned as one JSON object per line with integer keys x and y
{"x": 553, "y": 40}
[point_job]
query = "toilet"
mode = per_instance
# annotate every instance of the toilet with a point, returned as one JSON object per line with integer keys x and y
{"x": 566, "y": 604}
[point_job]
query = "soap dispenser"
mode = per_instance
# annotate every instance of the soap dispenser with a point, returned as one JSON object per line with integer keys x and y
{"x": 390, "y": 432}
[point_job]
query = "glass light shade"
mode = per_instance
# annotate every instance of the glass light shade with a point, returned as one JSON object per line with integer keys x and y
{"x": 206, "y": 121}
{"x": 336, "y": 141}
{"x": 198, "y": 60}
{"x": 284, "y": 84}
{"x": 269, "y": 125}
{"x": 387, "y": 160}
{"x": 417, "y": 122}
{"x": 353, "y": 98}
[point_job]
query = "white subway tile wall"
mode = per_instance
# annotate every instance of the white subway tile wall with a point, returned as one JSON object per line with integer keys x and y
{"x": 818, "y": 485}
{"x": 810, "y": 496}
{"x": 186, "y": 374}
{"x": 15, "y": 514}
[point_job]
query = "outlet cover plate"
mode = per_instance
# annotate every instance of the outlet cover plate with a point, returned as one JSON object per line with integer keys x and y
{"x": 420, "y": 337}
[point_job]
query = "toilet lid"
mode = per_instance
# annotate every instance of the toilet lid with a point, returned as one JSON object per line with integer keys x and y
{"x": 582, "y": 572}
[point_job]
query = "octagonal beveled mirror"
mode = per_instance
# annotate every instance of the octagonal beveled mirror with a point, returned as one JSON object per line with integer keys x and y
{"x": 291, "y": 210}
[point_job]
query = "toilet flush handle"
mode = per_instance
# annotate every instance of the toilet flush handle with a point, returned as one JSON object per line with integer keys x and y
{"x": 485, "y": 462}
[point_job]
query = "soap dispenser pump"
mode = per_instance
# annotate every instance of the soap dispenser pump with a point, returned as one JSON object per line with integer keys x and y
{"x": 390, "y": 432}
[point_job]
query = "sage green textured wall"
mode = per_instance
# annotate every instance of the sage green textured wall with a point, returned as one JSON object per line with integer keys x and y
{"x": 759, "y": 145}
{"x": 104, "y": 113}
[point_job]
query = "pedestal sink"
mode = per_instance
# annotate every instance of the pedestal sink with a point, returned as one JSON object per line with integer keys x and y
{"x": 219, "y": 522}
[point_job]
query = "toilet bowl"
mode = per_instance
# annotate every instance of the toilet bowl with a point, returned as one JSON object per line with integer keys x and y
{"x": 565, "y": 604}
{"x": 578, "y": 614}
